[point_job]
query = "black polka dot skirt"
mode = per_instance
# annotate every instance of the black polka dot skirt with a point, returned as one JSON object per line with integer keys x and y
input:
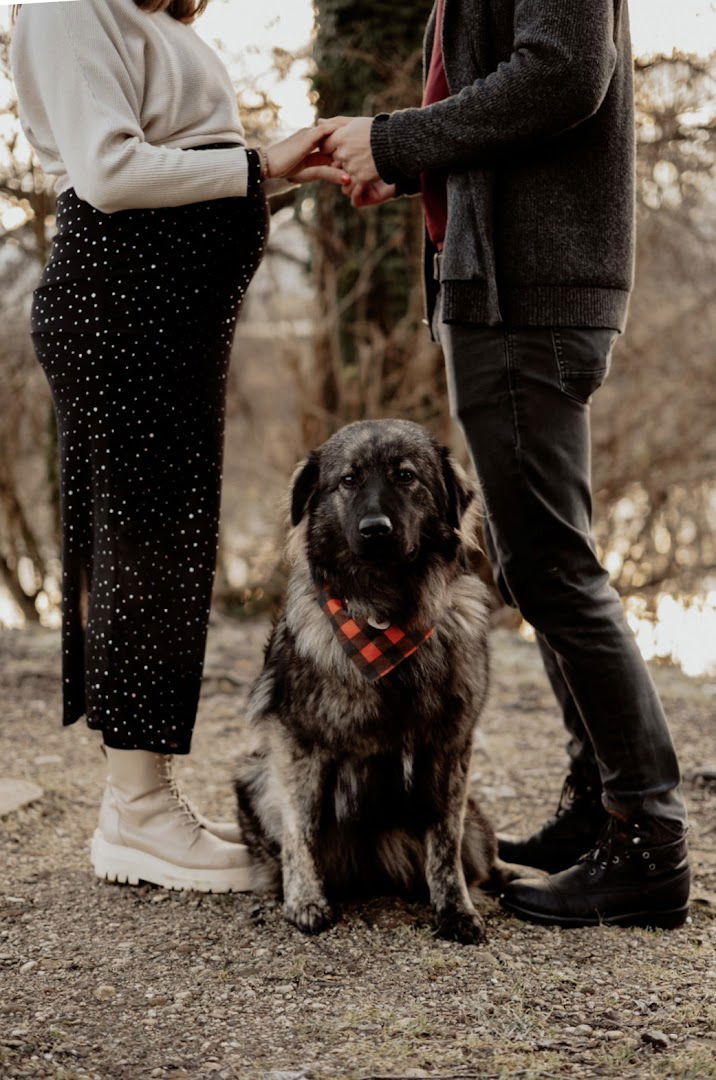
{"x": 133, "y": 321}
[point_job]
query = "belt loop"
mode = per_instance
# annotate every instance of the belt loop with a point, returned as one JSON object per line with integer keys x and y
{"x": 437, "y": 259}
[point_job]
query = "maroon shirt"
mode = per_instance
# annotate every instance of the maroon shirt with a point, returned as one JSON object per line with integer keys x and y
{"x": 433, "y": 184}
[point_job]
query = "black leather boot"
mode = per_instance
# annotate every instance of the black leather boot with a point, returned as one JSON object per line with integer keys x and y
{"x": 637, "y": 874}
{"x": 574, "y": 828}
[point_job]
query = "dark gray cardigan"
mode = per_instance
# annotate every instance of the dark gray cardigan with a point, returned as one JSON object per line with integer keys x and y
{"x": 537, "y": 139}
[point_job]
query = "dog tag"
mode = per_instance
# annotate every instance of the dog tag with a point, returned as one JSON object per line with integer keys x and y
{"x": 378, "y": 625}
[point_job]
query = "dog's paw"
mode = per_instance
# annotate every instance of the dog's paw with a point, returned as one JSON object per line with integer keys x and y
{"x": 466, "y": 927}
{"x": 311, "y": 916}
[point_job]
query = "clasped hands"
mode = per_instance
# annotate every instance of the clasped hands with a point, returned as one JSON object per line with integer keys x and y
{"x": 337, "y": 150}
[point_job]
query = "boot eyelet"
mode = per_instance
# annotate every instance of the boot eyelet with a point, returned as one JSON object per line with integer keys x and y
{"x": 636, "y": 840}
{"x": 615, "y": 859}
{"x": 645, "y": 855}
{"x": 652, "y": 866}
{"x": 592, "y": 872}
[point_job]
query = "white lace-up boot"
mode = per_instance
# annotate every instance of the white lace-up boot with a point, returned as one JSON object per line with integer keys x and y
{"x": 149, "y": 831}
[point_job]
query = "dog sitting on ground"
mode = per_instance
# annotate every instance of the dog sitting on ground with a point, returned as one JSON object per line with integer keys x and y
{"x": 374, "y": 676}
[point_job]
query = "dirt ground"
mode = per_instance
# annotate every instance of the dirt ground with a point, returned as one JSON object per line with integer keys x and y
{"x": 100, "y": 980}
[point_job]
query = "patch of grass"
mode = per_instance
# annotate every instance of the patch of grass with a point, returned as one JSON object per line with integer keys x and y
{"x": 439, "y": 963}
{"x": 699, "y": 1064}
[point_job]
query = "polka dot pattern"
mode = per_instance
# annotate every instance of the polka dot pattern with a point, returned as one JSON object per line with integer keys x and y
{"x": 133, "y": 322}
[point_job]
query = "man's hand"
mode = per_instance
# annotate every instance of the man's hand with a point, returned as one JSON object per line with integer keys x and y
{"x": 349, "y": 144}
{"x": 372, "y": 194}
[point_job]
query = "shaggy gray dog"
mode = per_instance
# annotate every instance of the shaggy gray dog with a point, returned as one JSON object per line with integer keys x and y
{"x": 374, "y": 676}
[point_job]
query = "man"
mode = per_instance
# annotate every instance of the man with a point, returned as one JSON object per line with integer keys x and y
{"x": 523, "y": 150}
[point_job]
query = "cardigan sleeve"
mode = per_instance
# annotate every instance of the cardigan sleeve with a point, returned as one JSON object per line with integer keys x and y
{"x": 563, "y": 59}
{"x": 74, "y": 62}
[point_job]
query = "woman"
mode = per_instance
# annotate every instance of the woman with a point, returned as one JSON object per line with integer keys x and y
{"x": 132, "y": 322}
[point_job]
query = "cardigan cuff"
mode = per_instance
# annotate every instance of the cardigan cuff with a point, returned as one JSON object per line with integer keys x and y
{"x": 380, "y": 144}
{"x": 254, "y": 177}
{"x": 409, "y": 186}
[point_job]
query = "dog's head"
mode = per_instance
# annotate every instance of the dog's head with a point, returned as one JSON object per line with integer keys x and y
{"x": 380, "y": 494}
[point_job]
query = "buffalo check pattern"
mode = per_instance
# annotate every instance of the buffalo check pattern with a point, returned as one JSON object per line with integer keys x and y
{"x": 374, "y": 651}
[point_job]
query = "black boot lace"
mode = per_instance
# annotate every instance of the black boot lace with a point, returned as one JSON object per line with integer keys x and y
{"x": 620, "y": 842}
{"x": 612, "y": 846}
{"x": 569, "y": 790}
{"x": 575, "y": 789}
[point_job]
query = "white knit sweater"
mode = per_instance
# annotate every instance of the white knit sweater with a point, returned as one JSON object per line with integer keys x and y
{"x": 109, "y": 94}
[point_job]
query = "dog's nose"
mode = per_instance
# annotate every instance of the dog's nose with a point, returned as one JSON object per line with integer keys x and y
{"x": 373, "y": 525}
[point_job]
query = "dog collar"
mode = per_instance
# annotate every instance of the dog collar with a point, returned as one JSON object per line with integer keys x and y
{"x": 375, "y": 648}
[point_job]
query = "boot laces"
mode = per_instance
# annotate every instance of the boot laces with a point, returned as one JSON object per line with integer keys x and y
{"x": 603, "y": 852}
{"x": 621, "y": 842}
{"x": 617, "y": 843}
{"x": 574, "y": 789}
{"x": 566, "y": 798}
{"x": 181, "y": 802}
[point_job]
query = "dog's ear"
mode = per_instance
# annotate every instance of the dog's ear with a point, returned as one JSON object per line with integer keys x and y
{"x": 303, "y": 485}
{"x": 459, "y": 488}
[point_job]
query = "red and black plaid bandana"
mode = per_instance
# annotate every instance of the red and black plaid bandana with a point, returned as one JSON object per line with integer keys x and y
{"x": 375, "y": 651}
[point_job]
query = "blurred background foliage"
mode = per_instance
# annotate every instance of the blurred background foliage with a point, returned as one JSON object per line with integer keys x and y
{"x": 332, "y": 331}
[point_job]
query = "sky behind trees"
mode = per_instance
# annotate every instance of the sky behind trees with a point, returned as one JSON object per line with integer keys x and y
{"x": 657, "y": 26}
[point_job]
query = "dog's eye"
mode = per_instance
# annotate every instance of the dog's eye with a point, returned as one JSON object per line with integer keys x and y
{"x": 406, "y": 476}
{"x": 348, "y": 480}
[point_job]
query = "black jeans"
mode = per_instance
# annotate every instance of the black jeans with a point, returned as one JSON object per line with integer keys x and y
{"x": 521, "y": 397}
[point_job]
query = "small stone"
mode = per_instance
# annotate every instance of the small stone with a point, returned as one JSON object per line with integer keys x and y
{"x": 157, "y": 999}
{"x": 28, "y": 965}
{"x": 14, "y": 794}
{"x": 105, "y": 992}
{"x": 282, "y": 1074}
{"x": 183, "y": 997}
{"x": 657, "y": 1039}
{"x": 583, "y": 1029}
{"x": 613, "y": 1035}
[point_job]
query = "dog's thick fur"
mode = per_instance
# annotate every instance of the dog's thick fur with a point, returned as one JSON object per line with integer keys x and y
{"x": 354, "y": 786}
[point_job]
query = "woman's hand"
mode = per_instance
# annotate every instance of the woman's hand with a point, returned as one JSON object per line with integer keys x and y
{"x": 299, "y": 160}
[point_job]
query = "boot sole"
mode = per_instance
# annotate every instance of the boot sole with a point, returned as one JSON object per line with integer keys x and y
{"x": 660, "y": 920}
{"x": 129, "y": 866}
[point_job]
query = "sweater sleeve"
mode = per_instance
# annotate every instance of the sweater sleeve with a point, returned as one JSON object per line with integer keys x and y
{"x": 75, "y": 62}
{"x": 559, "y": 71}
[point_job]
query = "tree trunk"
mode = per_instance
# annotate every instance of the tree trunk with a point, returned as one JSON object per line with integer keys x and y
{"x": 373, "y": 354}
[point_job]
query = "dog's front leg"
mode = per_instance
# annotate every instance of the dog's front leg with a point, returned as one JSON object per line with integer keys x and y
{"x": 455, "y": 914}
{"x": 305, "y": 904}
